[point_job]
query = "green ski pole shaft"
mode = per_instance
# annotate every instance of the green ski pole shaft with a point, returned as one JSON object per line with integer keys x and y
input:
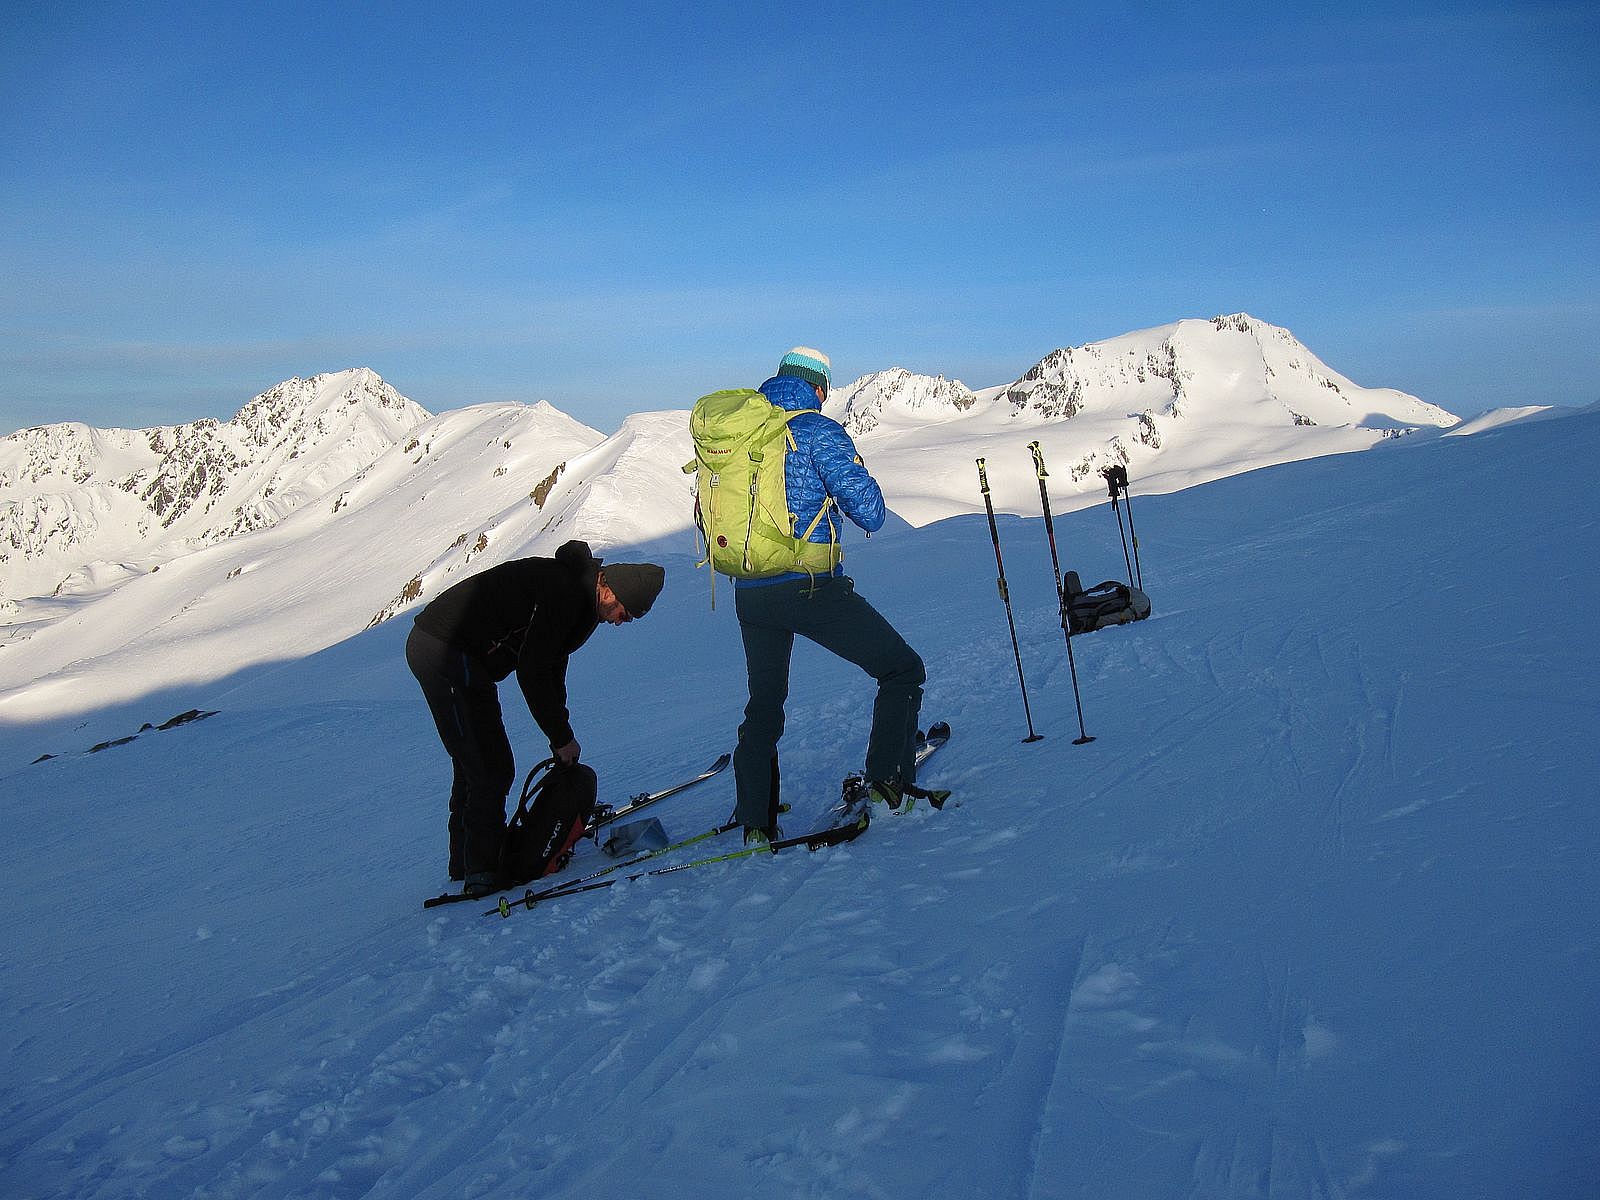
{"x": 1005, "y": 595}
{"x": 1083, "y": 737}
{"x": 576, "y": 885}
{"x": 811, "y": 840}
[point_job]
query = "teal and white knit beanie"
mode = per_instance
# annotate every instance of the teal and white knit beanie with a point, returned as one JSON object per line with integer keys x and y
{"x": 808, "y": 364}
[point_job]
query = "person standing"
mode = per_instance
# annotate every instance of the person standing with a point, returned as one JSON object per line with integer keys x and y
{"x": 528, "y": 616}
{"x": 823, "y": 476}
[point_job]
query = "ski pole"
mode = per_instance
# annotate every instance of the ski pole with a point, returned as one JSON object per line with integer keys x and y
{"x": 813, "y": 841}
{"x": 575, "y": 885}
{"x": 1061, "y": 596}
{"x": 1110, "y": 476}
{"x": 1005, "y": 595}
{"x": 1133, "y": 534}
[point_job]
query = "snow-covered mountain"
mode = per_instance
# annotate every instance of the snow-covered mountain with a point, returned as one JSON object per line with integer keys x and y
{"x": 897, "y": 396}
{"x": 1176, "y": 405}
{"x": 461, "y": 489}
{"x": 612, "y": 492}
{"x": 126, "y": 554}
{"x": 1191, "y": 368}
{"x": 71, "y": 496}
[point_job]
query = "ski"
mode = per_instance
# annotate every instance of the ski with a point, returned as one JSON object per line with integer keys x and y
{"x": 938, "y": 734}
{"x": 605, "y": 815}
{"x": 851, "y": 823}
{"x": 927, "y": 744}
{"x": 569, "y": 884}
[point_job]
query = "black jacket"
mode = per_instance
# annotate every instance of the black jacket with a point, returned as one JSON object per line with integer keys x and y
{"x": 526, "y": 616}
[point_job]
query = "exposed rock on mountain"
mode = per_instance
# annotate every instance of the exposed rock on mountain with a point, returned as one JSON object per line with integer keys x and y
{"x": 70, "y": 495}
{"x": 897, "y": 394}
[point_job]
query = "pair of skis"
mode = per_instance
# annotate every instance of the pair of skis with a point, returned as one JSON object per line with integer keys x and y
{"x": 845, "y": 821}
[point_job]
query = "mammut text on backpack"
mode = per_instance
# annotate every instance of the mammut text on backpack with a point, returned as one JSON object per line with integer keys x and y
{"x": 741, "y": 440}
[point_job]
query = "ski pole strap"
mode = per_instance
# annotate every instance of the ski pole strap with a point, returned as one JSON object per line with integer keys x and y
{"x": 1116, "y": 477}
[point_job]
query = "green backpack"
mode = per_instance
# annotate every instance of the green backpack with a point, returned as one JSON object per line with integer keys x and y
{"x": 741, "y": 440}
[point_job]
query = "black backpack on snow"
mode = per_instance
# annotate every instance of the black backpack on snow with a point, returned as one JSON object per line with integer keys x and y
{"x": 551, "y": 816}
{"x": 1083, "y": 610}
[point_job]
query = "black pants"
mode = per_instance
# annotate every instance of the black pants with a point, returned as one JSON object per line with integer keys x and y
{"x": 466, "y": 711}
{"x": 832, "y": 615}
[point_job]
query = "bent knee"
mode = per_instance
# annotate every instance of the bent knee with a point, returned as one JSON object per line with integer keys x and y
{"x": 907, "y": 670}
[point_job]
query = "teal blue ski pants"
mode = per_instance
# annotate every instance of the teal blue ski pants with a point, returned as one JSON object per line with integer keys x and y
{"x": 830, "y": 613}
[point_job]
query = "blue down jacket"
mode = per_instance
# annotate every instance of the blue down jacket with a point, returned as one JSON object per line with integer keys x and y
{"x": 822, "y": 464}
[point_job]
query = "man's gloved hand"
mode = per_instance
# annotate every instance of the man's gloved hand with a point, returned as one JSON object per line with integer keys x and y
{"x": 568, "y": 754}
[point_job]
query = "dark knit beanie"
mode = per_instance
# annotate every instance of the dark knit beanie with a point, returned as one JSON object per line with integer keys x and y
{"x": 808, "y": 364}
{"x": 636, "y": 584}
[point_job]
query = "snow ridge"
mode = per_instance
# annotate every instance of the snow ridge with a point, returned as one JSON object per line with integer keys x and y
{"x": 897, "y": 393}
{"x": 339, "y": 500}
{"x": 82, "y": 494}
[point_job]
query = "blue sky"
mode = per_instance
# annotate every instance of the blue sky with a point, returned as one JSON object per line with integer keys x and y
{"x": 619, "y": 212}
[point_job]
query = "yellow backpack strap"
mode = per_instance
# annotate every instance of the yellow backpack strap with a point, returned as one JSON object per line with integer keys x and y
{"x": 827, "y": 503}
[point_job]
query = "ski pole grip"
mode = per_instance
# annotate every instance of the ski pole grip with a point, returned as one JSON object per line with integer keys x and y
{"x": 1038, "y": 459}
{"x": 983, "y": 478}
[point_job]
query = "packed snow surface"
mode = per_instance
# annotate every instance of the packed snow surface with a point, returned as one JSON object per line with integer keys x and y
{"x": 1313, "y": 916}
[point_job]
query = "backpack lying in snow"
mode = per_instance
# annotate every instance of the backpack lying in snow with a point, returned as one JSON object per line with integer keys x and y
{"x": 1083, "y": 610}
{"x": 551, "y": 816}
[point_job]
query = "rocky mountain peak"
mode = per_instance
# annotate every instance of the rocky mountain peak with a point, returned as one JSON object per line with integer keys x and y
{"x": 862, "y": 406}
{"x": 200, "y": 482}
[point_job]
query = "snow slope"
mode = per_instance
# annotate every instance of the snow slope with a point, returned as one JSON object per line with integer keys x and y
{"x": 1314, "y": 916}
{"x": 1501, "y": 416}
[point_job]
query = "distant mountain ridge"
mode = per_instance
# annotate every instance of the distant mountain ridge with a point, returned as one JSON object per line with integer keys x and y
{"x": 1157, "y": 373}
{"x": 865, "y": 404}
{"x": 129, "y": 558}
{"x": 75, "y": 501}
{"x": 1176, "y": 405}
{"x": 81, "y": 493}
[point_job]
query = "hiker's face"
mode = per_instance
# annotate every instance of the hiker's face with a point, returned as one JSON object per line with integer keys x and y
{"x": 612, "y": 611}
